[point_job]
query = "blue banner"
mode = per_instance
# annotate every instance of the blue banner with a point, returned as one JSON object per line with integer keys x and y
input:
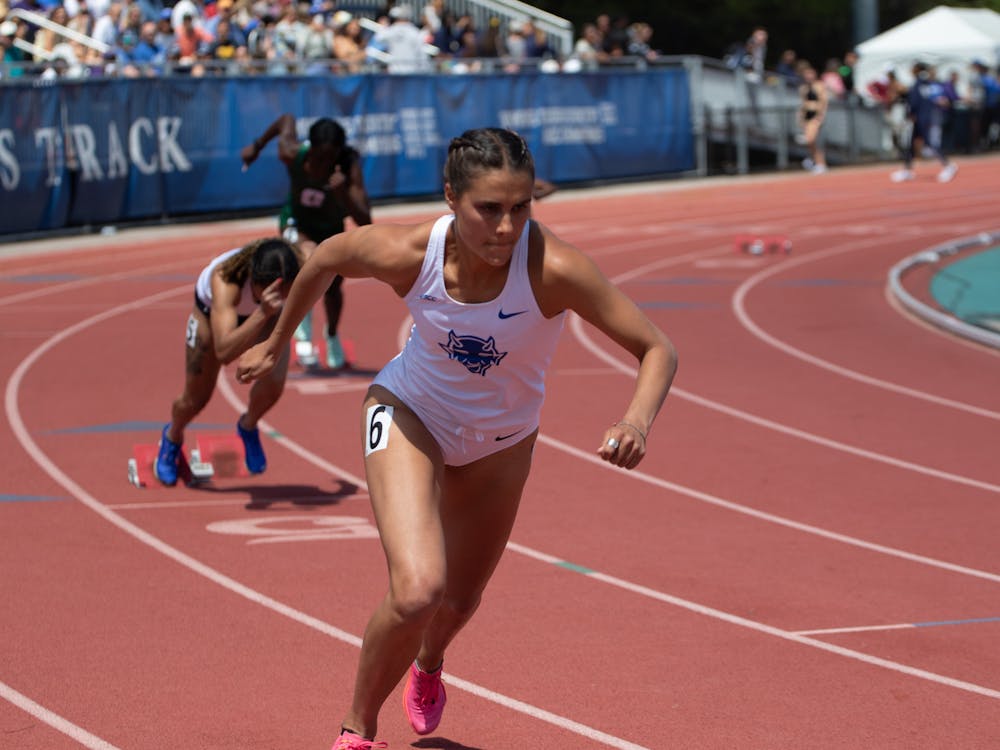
{"x": 107, "y": 151}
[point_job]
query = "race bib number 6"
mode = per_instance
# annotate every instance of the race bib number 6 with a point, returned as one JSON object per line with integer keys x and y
{"x": 377, "y": 423}
{"x": 191, "y": 334}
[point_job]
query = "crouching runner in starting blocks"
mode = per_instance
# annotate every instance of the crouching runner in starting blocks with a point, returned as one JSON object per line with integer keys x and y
{"x": 237, "y": 299}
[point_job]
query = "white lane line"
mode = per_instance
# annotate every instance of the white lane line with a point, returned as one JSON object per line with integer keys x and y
{"x": 54, "y": 720}
{"x": 775, "y": 519}
{"x": 576, "y": 325}
{"x": 770, "y": 630}
{"x": 58, "y": 475}
{"x": 312, "y": 501}
{"x": 229, "y": 394}
{"x": 256, "y": 597}
{"x": 904, "y": 626}
{"x": 739, "y": 309}
{"x": 91, "y": 281}
{"x": 645, "y": 591}
{"x": 860, "y": 629}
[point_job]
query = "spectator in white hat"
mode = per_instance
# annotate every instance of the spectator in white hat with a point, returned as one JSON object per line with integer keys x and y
{"x": 403, "y": 42}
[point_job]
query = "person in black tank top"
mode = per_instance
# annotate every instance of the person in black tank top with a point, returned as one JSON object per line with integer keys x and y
{"x": 326, "y": 188}
{"x": 812, "y": 112}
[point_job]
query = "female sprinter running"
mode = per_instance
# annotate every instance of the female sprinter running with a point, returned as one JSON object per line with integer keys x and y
{"x": 450, "y": 422}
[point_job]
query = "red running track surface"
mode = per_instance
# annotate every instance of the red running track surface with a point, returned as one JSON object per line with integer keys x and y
{"x": 807, "y": 558}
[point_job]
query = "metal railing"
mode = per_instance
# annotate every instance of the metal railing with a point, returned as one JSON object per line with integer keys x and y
{"x": 736, "y": 125}
{"x": 558, "y": 30}
{"x": 377, "y": 63}
{"x": 37, "y": 19}
{"x": 744, "y": 116}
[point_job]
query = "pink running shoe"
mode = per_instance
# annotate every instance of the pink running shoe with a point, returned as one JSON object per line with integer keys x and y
{"x": 351, "y": 741}
{"x": 424, "y": 699}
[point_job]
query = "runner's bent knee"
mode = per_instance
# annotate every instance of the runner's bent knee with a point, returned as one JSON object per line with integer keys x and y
{"x": 416, "y": 596}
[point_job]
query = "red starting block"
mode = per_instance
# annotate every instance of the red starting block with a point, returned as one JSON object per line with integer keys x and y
{"x": 224, "y": 453}
{"x": 755, "y": 244}
{"x": 140, "y": 467}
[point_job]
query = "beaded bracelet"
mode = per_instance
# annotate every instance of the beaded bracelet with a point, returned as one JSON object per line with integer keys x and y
{"x": 629, "y": 424}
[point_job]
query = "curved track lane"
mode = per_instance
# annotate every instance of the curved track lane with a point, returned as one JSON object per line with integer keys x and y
{"x": 807, "y": 557}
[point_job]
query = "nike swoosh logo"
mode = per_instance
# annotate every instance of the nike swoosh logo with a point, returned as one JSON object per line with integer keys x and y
{"x": 498, "y": 438}
{"x": 503, "y": 316}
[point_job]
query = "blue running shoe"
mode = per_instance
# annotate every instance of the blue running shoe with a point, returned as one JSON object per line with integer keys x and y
{"x": 167, "y": 460}
{"x": 252, "y": 449}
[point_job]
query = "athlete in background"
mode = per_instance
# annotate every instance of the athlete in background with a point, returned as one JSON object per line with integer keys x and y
{"x": 326, "y": 187}
{"x": 237, "y": 299}
{"x": 928, "y": 103}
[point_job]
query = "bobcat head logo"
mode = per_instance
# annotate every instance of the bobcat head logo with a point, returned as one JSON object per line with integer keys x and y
{"x": 478, "y": 355}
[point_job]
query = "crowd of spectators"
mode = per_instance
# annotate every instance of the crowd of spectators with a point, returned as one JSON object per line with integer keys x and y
{"x": 133, "y": 38}
{"x": 971, "y": 120}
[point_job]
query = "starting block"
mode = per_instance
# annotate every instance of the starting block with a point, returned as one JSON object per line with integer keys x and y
{"x": 140, "y": 467}
{"x": 224, "y": 453}
{"x": 760, "y": 244}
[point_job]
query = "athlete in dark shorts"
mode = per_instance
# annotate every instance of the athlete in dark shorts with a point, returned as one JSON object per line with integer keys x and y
{"x": 327, "y": 187}
{"x": 813, "y": 102}
{"x": 927, "y": 105}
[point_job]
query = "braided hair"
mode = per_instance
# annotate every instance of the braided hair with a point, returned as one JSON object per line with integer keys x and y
{"x": 484, "y": 149}
{"x": 263, "y": 261}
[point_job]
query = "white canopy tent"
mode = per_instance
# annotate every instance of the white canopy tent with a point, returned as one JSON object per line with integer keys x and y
{"x": 947, "y": 38}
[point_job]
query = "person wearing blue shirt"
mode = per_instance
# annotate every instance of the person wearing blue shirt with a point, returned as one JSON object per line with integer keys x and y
{"x": 927, "y": 103}
{"x": 147, "y": 51}
{"x": 9, "y": 53}
{"x": 990, "y": 87}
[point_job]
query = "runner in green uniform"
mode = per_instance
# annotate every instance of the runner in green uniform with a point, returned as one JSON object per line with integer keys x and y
{"x": 326, "y": 188}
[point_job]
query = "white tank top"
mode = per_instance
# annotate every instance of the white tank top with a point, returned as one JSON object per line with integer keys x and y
{"x": 203, "y": 287}
{"x": 480, "y": 366}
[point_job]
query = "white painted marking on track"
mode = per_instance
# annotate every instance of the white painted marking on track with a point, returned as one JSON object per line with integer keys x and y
{"x": 24, "y": 437}
{"x": 775, "y": 519}
{"x": 307, "y": 386}
{"x": 906, "y": 314}
{"x": 89, "y": 281}
{"x": 587, "y": 342}
{"x": 773, "y": 631}
{"x": 173, "y": 504}
{"x": 200, "y": 568}
{"x": 859, "y": 629}
{"x": 54, "y": 720}
{"x": 739, "y": 308}
{"x": 729, "y": 263}
{"x": 296, "y": 528}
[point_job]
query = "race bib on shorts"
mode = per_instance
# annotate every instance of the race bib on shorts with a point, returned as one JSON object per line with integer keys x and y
{"x": 191, "y": 337}
{"x": 377, "y": 425}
